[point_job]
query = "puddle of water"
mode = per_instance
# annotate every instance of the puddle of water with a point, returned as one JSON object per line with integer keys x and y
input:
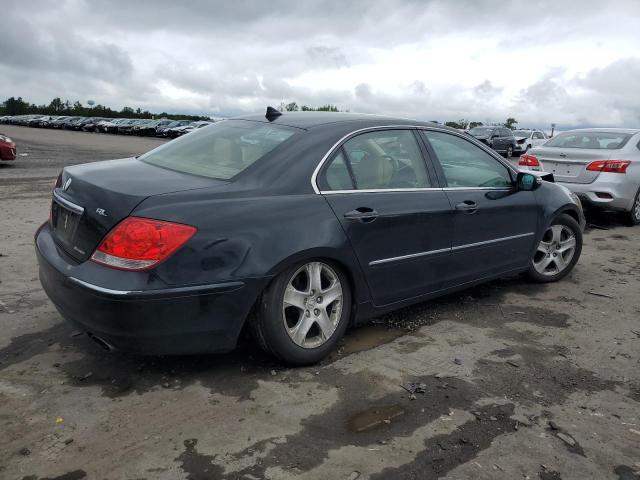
{"x": 373, "y": 417}
{"x": 368, "y": 337}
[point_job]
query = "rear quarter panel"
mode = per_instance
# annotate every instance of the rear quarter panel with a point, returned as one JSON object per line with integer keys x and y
{"x": 250, "y": 237}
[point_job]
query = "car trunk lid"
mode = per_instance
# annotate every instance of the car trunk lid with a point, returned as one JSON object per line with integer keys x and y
{"x": 92, "y": 198}
{"x": 569, "y": 165}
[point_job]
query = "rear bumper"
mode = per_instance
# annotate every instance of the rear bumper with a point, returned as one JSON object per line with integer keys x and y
{"x": 609, "y": 190}
{"x": 160, "y": 321}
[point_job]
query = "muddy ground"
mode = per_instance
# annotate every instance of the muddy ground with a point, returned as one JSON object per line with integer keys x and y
{"x": 520, "y": 380}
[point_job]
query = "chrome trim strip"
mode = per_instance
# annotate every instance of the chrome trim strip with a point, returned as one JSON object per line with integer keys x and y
{"x": 443, "y": 250}
{"x": 380, "y": 190}
{"x": 186, "y": 290}
{"x": 67, "y": 204}
{"x": 405, "y": 257}
{"x": 430, "y": 189}
{"x": 495, "y": 240}
{"x": 314, "y": 176}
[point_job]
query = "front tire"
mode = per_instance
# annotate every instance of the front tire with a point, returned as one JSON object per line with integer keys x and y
{"x": 633, "y": 216}
{"x": 304, "y": 313}
{"x": 558, "y": 251}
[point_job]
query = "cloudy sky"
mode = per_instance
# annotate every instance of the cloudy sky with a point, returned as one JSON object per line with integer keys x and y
{"x": 569, "y": 62}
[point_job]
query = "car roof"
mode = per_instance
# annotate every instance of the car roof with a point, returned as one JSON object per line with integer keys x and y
{"x": 307, "y": 120}
{"x": 631, "y": 131}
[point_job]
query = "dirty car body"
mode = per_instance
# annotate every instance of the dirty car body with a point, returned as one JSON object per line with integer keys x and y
{"x": 7, "y": 148}
{"x": 400, "y": 237}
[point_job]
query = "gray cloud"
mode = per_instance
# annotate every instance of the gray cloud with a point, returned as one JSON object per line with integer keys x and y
{"x": 430, "y": 59}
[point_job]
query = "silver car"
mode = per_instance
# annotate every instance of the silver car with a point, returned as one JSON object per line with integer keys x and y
{"x": 600, "y": 165}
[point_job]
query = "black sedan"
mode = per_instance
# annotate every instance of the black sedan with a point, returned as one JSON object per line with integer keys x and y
{"x": 294, "y": 225}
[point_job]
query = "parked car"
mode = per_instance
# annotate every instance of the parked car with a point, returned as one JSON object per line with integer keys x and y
{"x": 501, "y": 139}
{"x": 178, "y": 131}
{"x": 163, "y": 131}
{"x": 7, "y": 148}
{"x": 126, "y": 128}
{"x": 526, "y": 139}
{"x": 600, "y": 165}
{"x": 194, "y": 126}
{"x": 112, "y": 126}
{"x": 91, "y": 124}
{"x": 39, "y": 120}
{"x": 58, "y": 122}
{"x": 149, "y": 127}
{"x": 310, "y": 221}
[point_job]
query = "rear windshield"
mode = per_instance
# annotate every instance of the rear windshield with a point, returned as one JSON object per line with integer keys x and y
{"x": 480, "y": 130}
{"x": 221, "y": 150}
{"x": 592, "y": 140}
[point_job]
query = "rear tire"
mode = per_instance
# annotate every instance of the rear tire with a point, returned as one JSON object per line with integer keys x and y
{"x": 633, "y": 216}
{"x": 558, "y": 251}
{"x": 304, "y": 312}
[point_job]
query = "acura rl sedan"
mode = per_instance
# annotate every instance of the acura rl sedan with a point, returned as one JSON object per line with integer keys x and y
{"x": 295, "y": 226}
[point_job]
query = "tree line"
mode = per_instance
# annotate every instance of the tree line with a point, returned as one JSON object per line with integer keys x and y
{"x": 18, "y": 106}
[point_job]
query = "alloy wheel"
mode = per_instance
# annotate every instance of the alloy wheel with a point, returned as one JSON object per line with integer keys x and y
{"x": 636, "y": 207}
{"x": 555, "y": 250}
{"x": 312, "y": 304}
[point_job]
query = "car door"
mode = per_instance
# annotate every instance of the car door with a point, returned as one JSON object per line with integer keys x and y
{"x": 494, "y": 225}
{"x": 398, "y": 220}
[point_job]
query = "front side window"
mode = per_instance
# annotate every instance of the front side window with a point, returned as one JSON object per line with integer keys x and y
{"x": 467, "y": 165}
{"x": 221, "y": 150}
{"x": 590, "y": 140}
{"x": 380, "y": 160}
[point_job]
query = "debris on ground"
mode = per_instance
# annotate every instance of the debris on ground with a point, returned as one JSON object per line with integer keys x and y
{"x": 25, "y": 452}
{"x": 553, "y": 425}
{"x": 513, "y": 364}
{"x": 273, "y": 373}
{"x": 598, "y": 294}
{"x": 566, "y": 438}
{"x": 415, "y": 387}
{"x": 597, "y": 227}
{"x": 457, "y": 361}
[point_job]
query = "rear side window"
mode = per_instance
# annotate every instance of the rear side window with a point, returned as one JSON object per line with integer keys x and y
{"x": 467, "y": 165}
{"x": 380, "y": 160}
{"x": 221, "y": 150}
{"x": 590, "y": 140}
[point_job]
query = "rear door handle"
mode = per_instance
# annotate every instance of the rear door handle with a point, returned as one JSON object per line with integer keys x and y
{"x": 362, "y": 214}
{"x": 468, "y": 206}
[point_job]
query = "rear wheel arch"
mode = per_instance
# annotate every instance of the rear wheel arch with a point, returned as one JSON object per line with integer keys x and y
{"x": 359, "y": 290}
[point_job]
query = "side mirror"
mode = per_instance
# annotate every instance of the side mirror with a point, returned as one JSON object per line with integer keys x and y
{"x": 527, "y": 181}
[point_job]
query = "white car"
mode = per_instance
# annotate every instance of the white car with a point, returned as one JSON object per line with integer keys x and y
{"x": 526, "y": 139}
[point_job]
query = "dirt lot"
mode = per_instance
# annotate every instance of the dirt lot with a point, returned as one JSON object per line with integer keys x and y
{"x": 520, "y": 380}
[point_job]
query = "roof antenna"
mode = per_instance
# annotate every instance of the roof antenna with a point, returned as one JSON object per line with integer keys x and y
{"x": 272, "y": 114}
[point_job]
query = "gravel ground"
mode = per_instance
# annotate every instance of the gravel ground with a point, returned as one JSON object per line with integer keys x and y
{"x": 511, "y": 379}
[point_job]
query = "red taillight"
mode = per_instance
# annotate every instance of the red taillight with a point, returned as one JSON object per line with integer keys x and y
{"x": 527, "y": 160}
{"x": 141, "y": 243}
{"x": 611, "y": 166}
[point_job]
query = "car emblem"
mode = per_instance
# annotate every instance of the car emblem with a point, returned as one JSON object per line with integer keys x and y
{"x": 66, "y": 185}
{"x": 101, "y": 211}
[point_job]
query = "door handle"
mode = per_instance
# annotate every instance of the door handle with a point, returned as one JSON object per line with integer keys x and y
{"x": 362, "y": 214}
{"x": 468, "y": 206}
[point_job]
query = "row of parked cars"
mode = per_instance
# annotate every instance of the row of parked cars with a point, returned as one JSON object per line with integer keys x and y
{"x": 124, "y": 126}
{"x": 509, "y": 142}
